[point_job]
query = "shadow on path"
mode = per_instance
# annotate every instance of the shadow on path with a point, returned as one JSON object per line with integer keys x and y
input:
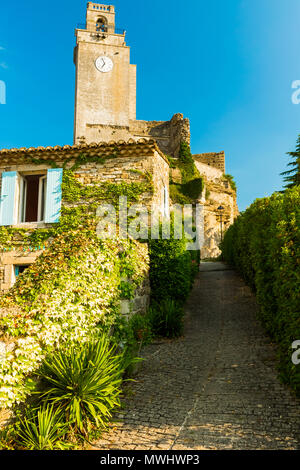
{"x": 214, "y": 388}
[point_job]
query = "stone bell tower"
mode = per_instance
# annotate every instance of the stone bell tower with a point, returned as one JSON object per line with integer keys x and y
{"x": 105, "y": 96}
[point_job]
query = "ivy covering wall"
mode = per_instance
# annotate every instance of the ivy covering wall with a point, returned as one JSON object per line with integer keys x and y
{"x": 191, "y": 185}
{"x": 73, "y": 290}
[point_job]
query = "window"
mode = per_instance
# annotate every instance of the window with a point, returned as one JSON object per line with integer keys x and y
{"x": 101, "y": 25}
{"x": 17, "y": 270}
{"x": 32, "y": 198}
{"x": 20, "y": 268}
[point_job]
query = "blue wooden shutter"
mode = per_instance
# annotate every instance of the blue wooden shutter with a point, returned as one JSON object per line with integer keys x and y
{"x": 7, "y": 201}
{"x": 53, "y": 195}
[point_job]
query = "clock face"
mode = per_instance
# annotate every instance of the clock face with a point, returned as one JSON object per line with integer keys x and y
{"x": 104, "y": 64}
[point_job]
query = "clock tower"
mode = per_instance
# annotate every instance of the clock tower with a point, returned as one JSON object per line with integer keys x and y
{"x": 105, "y": 95}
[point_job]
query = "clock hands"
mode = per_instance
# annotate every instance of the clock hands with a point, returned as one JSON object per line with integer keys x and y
{"x": 104, "y": 64}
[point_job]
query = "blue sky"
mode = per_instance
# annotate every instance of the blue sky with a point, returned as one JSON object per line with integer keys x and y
{"x": 226, "y": 65}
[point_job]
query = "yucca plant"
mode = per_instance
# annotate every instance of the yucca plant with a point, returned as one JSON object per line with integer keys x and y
{"x": 41, "y": 429}
{"x": 84, "y": 381}
{"x": 166, "y": 318}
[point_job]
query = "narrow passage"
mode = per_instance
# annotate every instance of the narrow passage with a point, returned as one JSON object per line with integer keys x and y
{"x": 214, "y": 388}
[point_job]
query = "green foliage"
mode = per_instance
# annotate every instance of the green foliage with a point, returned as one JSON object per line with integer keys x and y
{"x": 141, "y": 328}
{"x": 193, "y": 188}
{"x": 166, "y": 318}
{"x": 130, "y": 334}
{"x": 73, "y": 191}
{"x": 171, "y": 161}
{"x": 264, "y": 244}
{"x": 231, "y": 181}
{"x": 68, "y": 295}
{"x": 186, "y": 193}
{"x": 176, "y": 194}
{"x": 185, "y": 156}
{"x": 170, "y": 269}
{"x": 73, "y": 289}
{"x": 191, "y": 185}
{"x": 172, "y": 266}
{"x": 292, "y": 176}
{"x": 80, "y": 203}
{"x": 83, "y": 381}
{"x": 41, "y": 429}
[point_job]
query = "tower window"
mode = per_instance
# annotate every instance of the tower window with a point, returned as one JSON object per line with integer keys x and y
{"x": 101, "y": 25}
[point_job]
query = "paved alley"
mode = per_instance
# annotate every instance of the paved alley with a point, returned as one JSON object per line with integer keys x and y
{"x": 214, "y": 388}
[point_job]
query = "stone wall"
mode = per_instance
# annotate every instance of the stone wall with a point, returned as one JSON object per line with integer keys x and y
{"x": 141, "y": 301}
{"x": 217, "y": 192}
{"x": 214, "y": 159}
{"x": 212, "y": 224}
{"x": 211, "y": 173}
{"x": 102, "y": 98}
{"x": 15, "y": 257}
{"x": 167, "y": 134}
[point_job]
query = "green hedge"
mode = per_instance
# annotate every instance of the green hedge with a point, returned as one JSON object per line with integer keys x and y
{"x": 264, "y": 245}
{"x": 172, "y": 268}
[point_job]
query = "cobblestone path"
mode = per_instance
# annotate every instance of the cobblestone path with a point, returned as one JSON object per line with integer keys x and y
{"x": 214, "y": 388}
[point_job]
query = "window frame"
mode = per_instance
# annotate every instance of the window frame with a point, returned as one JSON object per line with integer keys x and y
{"x": 23, "y": 187}
{"x": 14, "y": 275}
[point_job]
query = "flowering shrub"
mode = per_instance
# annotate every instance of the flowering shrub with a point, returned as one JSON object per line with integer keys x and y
{"x": 69, "y": 295}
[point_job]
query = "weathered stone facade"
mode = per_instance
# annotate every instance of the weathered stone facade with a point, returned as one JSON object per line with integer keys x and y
{"x": 122, "y": 162}
{"x": 217, "y": 192}
{"x": 141, "y": 301}
{"x": 102, "y": 96}
{"x": 167, "y": 134}
{"x": 214, "y": 159}
{"x": 105, "y": 104}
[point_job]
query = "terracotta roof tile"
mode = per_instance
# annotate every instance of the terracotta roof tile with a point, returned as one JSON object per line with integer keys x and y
{"x": 131, "y": 147}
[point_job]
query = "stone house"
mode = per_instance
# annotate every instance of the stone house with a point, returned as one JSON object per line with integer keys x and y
{"x": 31, "y": 188}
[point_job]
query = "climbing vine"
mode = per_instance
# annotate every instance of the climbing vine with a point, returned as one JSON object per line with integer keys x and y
{"x": 191, "y": 185}
{"x": 73, "y": 290}
{"x": 80, "y": 202}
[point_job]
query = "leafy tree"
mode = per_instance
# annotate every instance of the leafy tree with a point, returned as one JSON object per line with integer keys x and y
{"x": 292, "y": 176}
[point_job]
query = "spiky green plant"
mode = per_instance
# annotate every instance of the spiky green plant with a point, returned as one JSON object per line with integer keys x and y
{"x": 84, "y": 382}
{"x": 41, "y": 429}
{"x": 166, "y": 318}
